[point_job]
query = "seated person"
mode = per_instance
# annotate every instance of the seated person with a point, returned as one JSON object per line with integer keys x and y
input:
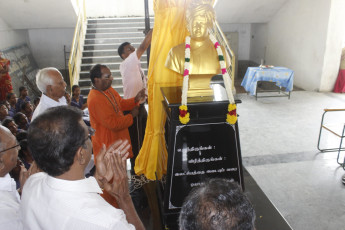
{"x": 68, "y": 98}
{"x": 11, "y": 98}
{"x": 217, "y": 204}
{"x": 23, "y": 97}
{"x": 3, "y": 111}
{"x": 61, "y": 197}
{"x": 21, "y": 120}
{"x": 10, "y": 124}
{"x": 27, "y": 109}
{"x": 36, "y": 102}
{"x": 24, "y": 154}
{"x": 77, "y": 99}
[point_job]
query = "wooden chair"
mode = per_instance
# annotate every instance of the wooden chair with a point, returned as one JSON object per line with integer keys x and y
{"x": 338, "y": 129}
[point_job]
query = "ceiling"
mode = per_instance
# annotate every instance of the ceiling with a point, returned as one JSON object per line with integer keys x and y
{"x": 30, "y": 14}
{"x": 247, "y": 11}
{"x": 33, "y": 14}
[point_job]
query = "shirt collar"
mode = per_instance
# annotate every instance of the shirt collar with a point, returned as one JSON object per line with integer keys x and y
{"x": 87, "y": 185}
{"x": 7, "y": 183}
{"x": 62, "y": 100}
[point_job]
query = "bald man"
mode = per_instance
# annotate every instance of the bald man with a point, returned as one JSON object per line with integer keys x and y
{"x": 50, "y": 82}
{"x": 9, "y": 197}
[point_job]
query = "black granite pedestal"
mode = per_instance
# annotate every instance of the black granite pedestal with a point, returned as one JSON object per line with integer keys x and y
{"x": 206, "y": 147}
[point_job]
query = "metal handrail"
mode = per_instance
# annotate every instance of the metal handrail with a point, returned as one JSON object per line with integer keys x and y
{"x": 77, "y": 46}
{"x": 218, "y": 33}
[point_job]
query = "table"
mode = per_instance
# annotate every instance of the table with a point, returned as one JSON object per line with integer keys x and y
{"x": 283, "y": 77}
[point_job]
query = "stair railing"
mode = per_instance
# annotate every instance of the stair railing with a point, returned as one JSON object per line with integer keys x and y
{"x": 77, "y": 45}
{"x": 218, "y": 33}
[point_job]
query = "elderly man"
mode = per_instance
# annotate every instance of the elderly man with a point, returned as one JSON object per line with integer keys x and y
{"x": 50, "y": 82}
{"x": 61, "y": 197}
{"x": 9, "y": 197}
{"x": 106, "y": 112}
{"x": 217, "y": 204}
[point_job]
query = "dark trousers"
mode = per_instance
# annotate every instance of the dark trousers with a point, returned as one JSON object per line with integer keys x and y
{"x": 137, "y": 133}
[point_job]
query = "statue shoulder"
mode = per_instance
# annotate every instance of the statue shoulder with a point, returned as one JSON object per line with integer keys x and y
{"x": 175, "y": 59}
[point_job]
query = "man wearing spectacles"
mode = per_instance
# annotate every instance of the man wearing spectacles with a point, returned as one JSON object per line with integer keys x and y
{"x": 9, "y": 197}
{"x": 106, "y": 113}
{"x": 61, "y": 197}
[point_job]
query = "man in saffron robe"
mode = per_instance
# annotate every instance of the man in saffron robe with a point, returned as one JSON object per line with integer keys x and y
{"x": 106, "y": 113}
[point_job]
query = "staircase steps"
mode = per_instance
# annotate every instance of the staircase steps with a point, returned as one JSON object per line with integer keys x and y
{"x": 102, "y": 39}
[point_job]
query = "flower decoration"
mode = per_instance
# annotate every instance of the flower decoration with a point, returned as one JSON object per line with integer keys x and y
{"x": 231, "y": 116}
{"x": 184, "y": 115}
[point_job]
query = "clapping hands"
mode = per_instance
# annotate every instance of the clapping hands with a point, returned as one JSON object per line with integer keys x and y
{"x": 111, "y": 172}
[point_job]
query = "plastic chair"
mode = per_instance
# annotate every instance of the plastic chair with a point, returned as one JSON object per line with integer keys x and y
{"x": 338, "y": 129}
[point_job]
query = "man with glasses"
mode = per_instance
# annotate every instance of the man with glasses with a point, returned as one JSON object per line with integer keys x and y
{"x": 52, "y": 85}
{"x": 61, "y": 197}
{"x": 9, "y": 197}
{"x": 106, "y": 113}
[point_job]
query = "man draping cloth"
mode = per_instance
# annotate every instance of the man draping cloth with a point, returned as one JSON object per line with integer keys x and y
{"x": 169, "y": 30}
{"x": 109, "y": 121}
{"x": 5, "y": 80}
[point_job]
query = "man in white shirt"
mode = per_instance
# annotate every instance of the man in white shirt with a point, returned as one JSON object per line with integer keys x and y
{"x": 134, "y": 80}
{"x": 61, "y": 197}
{"x": 50, "y": 82}
{"x": 9, "y": 197}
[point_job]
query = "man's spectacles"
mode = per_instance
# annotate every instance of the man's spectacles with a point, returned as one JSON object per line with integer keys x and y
{"x": 107, "y": 76}
{"x": 16, "y": 146}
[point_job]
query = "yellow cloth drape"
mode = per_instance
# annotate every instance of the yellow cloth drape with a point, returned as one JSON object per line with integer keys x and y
{"x": 169, "y": 30}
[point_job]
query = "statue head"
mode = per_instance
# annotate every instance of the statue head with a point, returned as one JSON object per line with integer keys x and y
{"x": 200, "y": 16}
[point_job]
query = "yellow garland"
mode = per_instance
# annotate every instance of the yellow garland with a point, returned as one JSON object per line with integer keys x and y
{"x": 231, "y": 119}
{"x": 184, "y": 120}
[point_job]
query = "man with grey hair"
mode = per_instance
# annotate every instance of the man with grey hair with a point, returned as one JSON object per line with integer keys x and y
{"x": 50, "y": 82}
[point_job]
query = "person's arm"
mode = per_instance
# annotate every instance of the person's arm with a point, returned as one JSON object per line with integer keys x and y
{"x": 120, "y": 190}
{"x": 104, "y": 168}
{"x": 144, "y": 44}
{"x": 24, "y": 175}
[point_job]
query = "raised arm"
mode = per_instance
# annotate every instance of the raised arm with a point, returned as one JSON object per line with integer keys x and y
{"x": 144, "y": 44}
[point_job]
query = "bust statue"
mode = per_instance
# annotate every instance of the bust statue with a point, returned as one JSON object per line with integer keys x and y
{"x": 204, "y": 63}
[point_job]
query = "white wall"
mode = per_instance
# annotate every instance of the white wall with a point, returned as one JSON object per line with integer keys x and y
{"x": 334, "y": 44}
{"x": 10, "y": 37}
{"x": 244, "y": 37}
{"x": 297, "y": 40}
{"x": 258, "y": 42}
{"x": 47, "y": 46}
{"x": 116, "y": 8}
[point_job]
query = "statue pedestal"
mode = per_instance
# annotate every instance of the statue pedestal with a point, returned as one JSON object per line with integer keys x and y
{"x": 207, "y": 147}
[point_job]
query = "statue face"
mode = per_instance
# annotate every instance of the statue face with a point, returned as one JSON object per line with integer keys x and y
{"x": 198, "y": 28}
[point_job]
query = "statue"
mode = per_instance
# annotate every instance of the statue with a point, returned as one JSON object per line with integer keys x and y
{"x": 204, "y": 63}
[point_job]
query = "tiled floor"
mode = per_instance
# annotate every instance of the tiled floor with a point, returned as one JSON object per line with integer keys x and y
{"x": 278, "y": 140}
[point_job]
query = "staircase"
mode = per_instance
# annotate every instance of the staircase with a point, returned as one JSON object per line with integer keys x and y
{"x": 103, "y": 37}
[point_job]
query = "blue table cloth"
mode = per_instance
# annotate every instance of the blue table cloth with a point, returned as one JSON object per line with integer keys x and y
{"x": 283, "y": 77}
